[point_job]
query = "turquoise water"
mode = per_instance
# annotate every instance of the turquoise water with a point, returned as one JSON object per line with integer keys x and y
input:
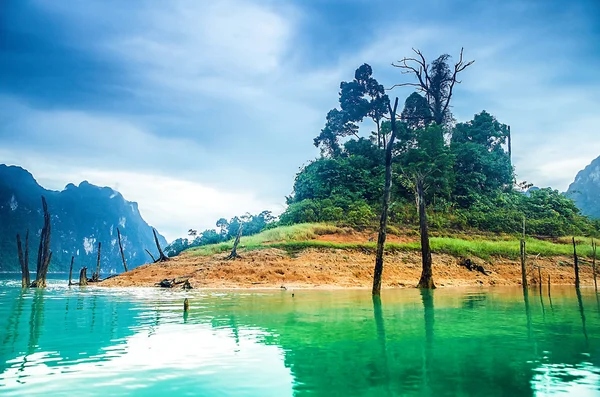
{"x": 454, "y": 342}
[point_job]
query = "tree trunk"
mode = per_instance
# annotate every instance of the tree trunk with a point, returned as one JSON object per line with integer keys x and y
{"x": 23, "y": 260}
{"x": 426, "y": 280}
{"x": 378, "y": 271}
{"x": 96, "y": 275}
{"x": 509, "y": 147}
{"x": 234, "y": 253}
{"x": 576, "y": 264}
{"x": 83, "y": 276}
{"x": 121, "y": 248}
{"x": 44, "y": 254}
{"x": 594, "y": 248}
{"x": 161, "y": 256}
{"x": 71, "y": 270}
{"x": 523, "y": 265}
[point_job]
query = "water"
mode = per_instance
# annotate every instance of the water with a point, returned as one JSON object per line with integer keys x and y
{"x": 455, "y": 342}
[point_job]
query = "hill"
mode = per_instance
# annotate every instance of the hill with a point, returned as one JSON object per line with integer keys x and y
{"x": 81, "y": 217}
{"x": 585, "y": 190}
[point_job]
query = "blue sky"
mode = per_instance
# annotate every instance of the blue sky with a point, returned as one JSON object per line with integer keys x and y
{"x": 202, "y": 109}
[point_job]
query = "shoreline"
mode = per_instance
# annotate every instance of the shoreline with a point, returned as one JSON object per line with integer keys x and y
{"x": 337, "y": 269}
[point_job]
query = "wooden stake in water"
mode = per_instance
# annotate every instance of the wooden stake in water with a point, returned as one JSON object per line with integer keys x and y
{"x": 186, "y": 305}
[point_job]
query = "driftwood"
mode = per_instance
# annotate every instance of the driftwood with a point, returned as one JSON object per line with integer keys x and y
{"x": 44, "y": 253}
{"x": 24, "y": 260}
{"x": 470, "y": 265}
{"x": 161, "y": 256}
{"x": 183, "y": 281}
{"x": 71, "y": 270}
{"x": 121, "y": 248}
{"x": 234, "y": 253}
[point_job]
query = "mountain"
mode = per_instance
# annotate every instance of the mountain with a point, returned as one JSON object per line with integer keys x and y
{"x": 81, "y": 217}
{"x": 585, "y": 190}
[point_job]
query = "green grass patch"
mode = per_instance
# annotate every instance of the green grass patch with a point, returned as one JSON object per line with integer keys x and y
{"x": 299, "y": 237}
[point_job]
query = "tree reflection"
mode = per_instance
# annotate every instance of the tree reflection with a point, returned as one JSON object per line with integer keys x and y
{"x": 381, "y": 339}
{"x": 429, "y": 319}
{"x": 581, "y": 312}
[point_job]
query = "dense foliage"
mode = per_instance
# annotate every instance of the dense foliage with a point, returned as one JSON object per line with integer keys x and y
{"x": 465, "y": 167}
{"x": 251, "y": 224}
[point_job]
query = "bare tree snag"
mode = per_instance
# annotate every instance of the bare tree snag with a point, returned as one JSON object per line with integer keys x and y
{"x": 121, "y": 248}
{"x": 71, "y": 270}
{"x": 151, "y": 256}
{"x": 378, "y": 271}
{"x": 234, "y": 253}
{"x": 509, "y": 146}
{"x": 436, "y": 81}
{"x": 594, "y": 249}
{"x": 523, "y": 264}
{"x": 24, "y": 260}
{"x": 426, "y": 280}
{"x": 523, "y": 258}
{"x": 44, "y": 253}
{"x": 576, "y": 264}
{"x": 96, "y": 274}
{"x": 83, "y": 276}
{"x": 161, "y": 256}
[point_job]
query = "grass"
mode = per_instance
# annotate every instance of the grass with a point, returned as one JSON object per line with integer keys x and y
{"x": 293, "y": 233}
{"x": 296, "y": 238}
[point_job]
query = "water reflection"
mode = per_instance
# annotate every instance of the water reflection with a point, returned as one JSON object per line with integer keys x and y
{"x": 320, "y": 343}
{"x": 582, "y": 313}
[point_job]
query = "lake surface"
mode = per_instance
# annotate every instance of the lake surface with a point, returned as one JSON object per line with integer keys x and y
{"x": 453, "y": 342}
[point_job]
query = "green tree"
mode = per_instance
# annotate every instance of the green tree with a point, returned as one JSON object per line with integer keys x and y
{"x": 482, "y": 167}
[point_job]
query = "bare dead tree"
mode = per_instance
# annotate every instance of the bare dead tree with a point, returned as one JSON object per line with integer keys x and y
{"x": 234, "y": 253}
{"x": 44, "y": 253}
{"x": 151, "y": 256}
{"x": 576, "y": 264}
{"x": 121, "y": 248}
{"x": 96, "y": 274}
{"x": 436, "y": 80}
{"x": 523, "y": 258}
{"x": 24, "y": 260}
{"x": 161, "y": 256}
{"x": 71, "y": 270}
{"x": 381, "y": 237}
{"x": 594, "y": 272}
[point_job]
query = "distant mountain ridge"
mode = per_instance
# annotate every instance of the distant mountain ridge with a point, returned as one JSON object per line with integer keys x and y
{"x": 81, "y": 217}
{"x": 585, "y": 190}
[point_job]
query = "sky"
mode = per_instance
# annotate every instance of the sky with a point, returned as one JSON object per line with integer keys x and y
{"x": 202, "y": 109}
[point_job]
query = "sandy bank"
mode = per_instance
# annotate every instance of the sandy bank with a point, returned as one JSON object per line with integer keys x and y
{"x": 336, "y": 268}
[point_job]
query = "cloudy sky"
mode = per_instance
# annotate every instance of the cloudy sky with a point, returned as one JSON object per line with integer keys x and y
{"x": 200, "y": 109}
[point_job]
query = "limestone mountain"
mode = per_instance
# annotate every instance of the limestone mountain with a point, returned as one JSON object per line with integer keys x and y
{"x": 585, "y": 190}
{"x": 81, "y": 217}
